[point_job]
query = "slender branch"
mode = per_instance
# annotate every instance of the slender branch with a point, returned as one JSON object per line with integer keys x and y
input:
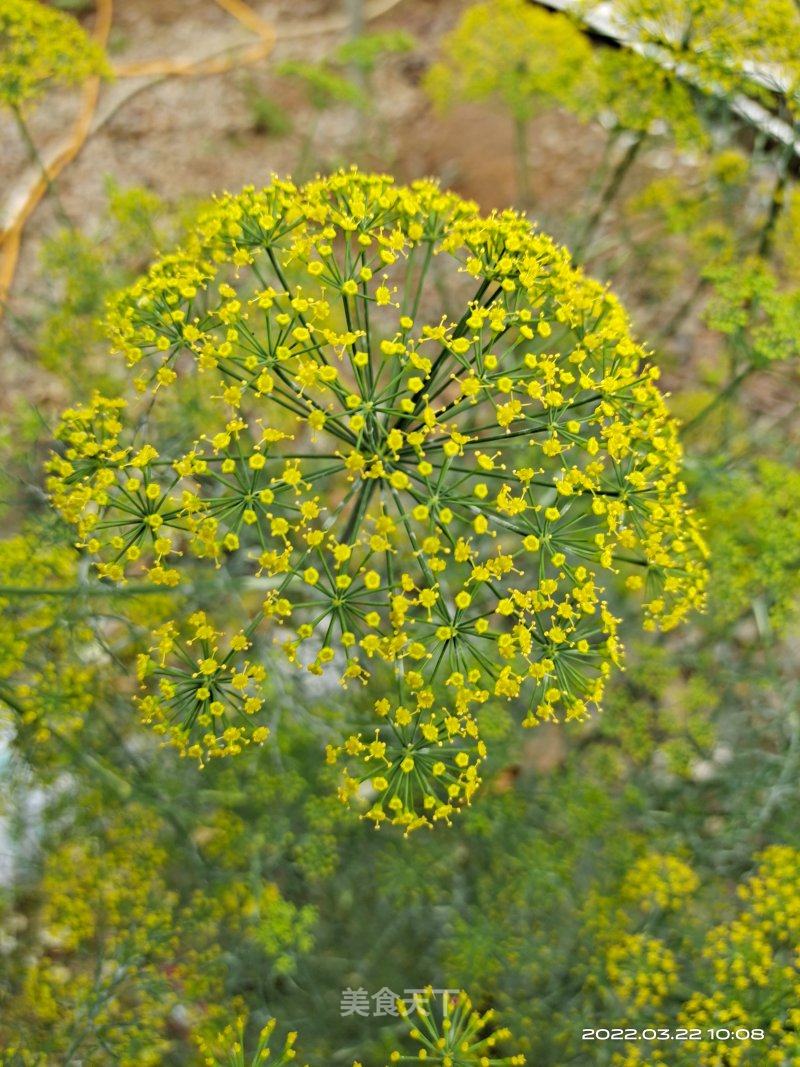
{"x": 521, "y": 150}
{"x": 36, "y": 158}
{"x": 609, "y": 193}
{"x": 724, "y": 394}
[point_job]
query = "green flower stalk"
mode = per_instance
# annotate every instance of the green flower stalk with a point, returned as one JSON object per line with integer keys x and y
{"x": 455, "y": 1035}
{"x": 229, "y": 1048}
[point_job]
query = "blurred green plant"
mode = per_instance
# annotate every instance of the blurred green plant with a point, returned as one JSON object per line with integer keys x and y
{"x": 268, "y": 116}
{"x": 721, "y": 41}
{"x": 84, "y": 270}
{"x": 753, "y": 519}
{"x": 41, "y": 49}
{"x": 516, "y": 55}
{"x": 344, "y": 77}
{"x": 366, "y": 52}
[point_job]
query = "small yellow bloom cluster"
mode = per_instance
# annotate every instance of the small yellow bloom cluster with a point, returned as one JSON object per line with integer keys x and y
{"x": 450, "y": 1033}
{"x": 659, "y": 881}
{"x": 206, "y": 696}
{"x": 755, "y": 967}
{"x": 744, "y": 951}
{"x": 641, "y": 969}
{"x": 40, "y": 47}
{"x": 229, "y": 1048}
{"x": 116, "y": 965}
{"x": 107, "y": 933}
{"x": 425, "y": 769}
{"x": 437, "y": 493}
{"x": 453, "y": 1035}
{"x": 744, "y": 973}
{"x": 515, "y": 53}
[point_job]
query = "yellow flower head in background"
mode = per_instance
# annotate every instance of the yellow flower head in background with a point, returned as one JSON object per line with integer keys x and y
{"x": 40, "y": 47}
{"x": 516, "y": 54}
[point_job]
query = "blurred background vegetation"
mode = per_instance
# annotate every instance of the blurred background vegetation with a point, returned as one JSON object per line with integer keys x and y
{"x": 640, "y": 870}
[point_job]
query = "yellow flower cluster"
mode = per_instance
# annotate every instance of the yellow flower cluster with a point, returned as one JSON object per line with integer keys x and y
{"x": 438, "y": 492}
{"x": 745, "y": 973}
{"x": 755, "y": 967}
{"x": 116, "y": 965}
{"x": 228, "y": 1050}
{"x": 424, "y": 770}
{"x": 40, "y": 47}
{"x": 641, "y": 969}
{"x": 107, "y": 931}
{"x": 744, "y": 951}
{"x": 659, "y": 881}
{"x": 453, "y": 1034}
{"x": 200, "y": 686}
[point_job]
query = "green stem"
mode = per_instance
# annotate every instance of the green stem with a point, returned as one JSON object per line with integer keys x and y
{"x": 767, "y": 235}
{"x": 722, "y": 395}
{"x": 610, "y": 192}
{"x": 682, "y": 311}
{"x": 521, "y": 148}
{"x": 36, "y": 158}
{"x": 359, "y": 510}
